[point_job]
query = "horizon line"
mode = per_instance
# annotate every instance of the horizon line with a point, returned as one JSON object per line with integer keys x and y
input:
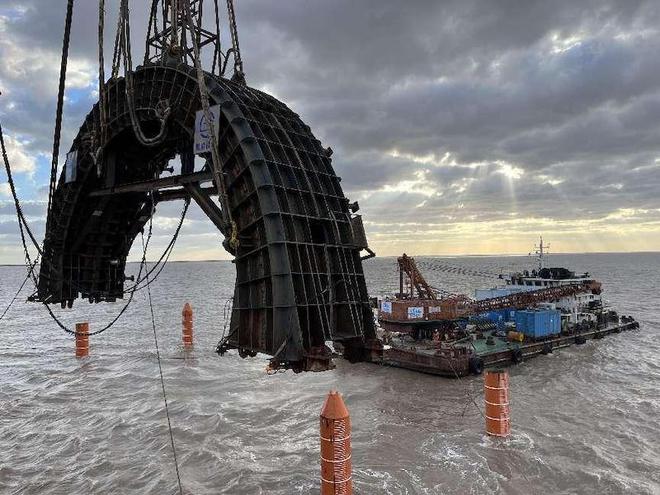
{"x": 495, "y": 255}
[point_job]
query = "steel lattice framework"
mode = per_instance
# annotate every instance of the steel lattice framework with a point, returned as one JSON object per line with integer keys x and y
{"x": 299, "y": 276}
{"x": 531, "y": 298}
{"x": 170, "y": 36}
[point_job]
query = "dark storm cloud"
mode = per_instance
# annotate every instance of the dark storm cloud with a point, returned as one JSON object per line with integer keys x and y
{"x": 565, "y": 91}
{"x": 482, "y": 109}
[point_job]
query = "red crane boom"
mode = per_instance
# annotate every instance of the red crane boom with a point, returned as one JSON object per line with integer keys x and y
{"x": 408, "y": 267}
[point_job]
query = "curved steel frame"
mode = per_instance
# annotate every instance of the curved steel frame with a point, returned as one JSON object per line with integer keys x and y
{"x": 299, "y": 273}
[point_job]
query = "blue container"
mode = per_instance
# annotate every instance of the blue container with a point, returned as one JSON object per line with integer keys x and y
{"x": 522, "y": 321}
{"x": 555, "y": 322}
{"x": 497, "y": 315}
{"x": 494, "y": 316}
{"x": 538, "y": 323}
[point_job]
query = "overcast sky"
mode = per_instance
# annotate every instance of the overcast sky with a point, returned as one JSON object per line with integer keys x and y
{"x": 460, "y": 126}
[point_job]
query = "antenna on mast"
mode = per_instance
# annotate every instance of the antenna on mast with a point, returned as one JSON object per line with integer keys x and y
{"x": 541, "y": 250}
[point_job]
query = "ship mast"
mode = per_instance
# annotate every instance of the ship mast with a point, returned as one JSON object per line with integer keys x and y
{"x": 541, "y": 250}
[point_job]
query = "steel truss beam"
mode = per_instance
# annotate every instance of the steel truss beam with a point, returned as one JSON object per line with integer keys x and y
{"x": 154, "y": 185}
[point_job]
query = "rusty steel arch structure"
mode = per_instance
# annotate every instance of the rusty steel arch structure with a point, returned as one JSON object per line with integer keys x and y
{"x": 299, "y": 276}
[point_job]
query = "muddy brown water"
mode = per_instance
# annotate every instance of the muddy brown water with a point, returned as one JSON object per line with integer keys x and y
{"x": 585, "y": 419}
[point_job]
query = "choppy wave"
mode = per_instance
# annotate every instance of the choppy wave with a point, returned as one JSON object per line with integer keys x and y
{"x": 585, "y": 420}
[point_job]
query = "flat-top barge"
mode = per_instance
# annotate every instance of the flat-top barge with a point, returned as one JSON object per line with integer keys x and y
{"x": 428, "y": 330}
{"x": 461, "y": 358}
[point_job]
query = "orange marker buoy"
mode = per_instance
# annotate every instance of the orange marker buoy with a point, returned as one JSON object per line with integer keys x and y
{"x": 187, "y": 321}
{"x": 82, "y": 339}
{"x": 336, "y": 470}
{"x": 496, "y": 391}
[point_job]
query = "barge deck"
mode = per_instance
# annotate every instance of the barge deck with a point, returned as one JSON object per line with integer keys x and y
{"x": 472, "y": 356}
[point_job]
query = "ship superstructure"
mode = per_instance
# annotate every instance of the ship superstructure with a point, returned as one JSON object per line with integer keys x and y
{"x": 575, "y": 307}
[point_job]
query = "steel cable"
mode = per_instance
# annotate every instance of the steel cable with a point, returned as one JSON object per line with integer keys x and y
{"x": 122, "y": 35}
{"x": 160, "y": 370}
{"x": 162, "y": 114}
{"x": 442, "y": 267}
{"x": 103, "y": 102}
{"x": 166, "y": 254}
{"x": 467, "y": 392}
{"x": 238, "y": 61}
{"x": 23, "y": 224}
{"x": 116, "y": 55}
{"x": 128, "y": 303}
{"x": 60, "y": 102}
{"x": 153, "y": 27}
{"x": 27, "y": 277}
{"x": 215, "y": 155}
{"x": 17, "y": 204}
{"x": 217, "y": 55}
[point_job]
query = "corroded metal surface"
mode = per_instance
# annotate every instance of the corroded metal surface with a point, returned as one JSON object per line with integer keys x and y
{"x": 299, "y": 272}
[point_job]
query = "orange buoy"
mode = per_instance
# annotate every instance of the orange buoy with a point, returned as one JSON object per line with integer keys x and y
{"x": 496, "y": 391}
{"x": 187, "y": 321}
{"x": 336, "y": 471}
{"x": 82, "y": 339}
